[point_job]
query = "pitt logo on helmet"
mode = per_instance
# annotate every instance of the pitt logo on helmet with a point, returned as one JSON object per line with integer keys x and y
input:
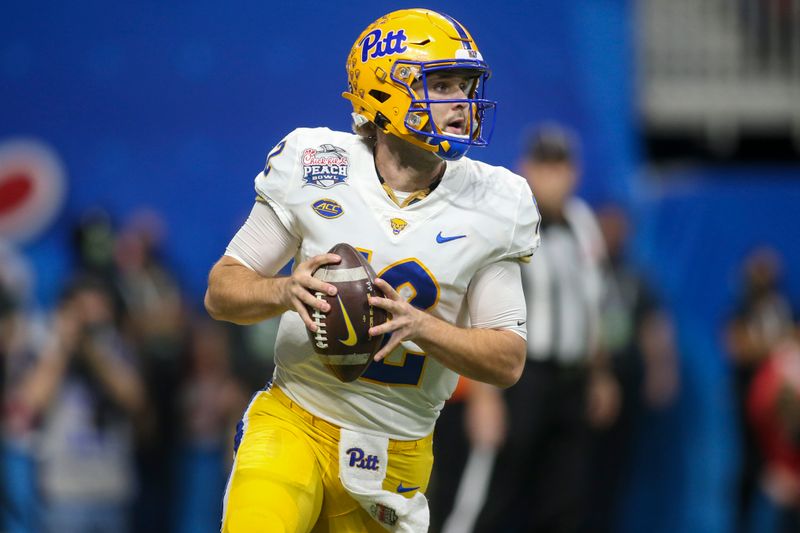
{"x": 389, "y": 45}
{"x": 327, "y": 208}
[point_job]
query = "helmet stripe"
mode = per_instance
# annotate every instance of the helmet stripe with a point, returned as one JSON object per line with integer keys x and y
{"x": 460, "y": 29}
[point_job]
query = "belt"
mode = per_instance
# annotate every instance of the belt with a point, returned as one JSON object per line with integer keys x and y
{"x": 332, "y": 430}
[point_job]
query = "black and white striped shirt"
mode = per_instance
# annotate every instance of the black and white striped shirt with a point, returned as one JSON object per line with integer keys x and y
{"x": 563, "y": 288}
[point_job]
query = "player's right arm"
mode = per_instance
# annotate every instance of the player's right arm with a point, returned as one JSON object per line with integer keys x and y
{"x": 239, "y": 295}
{"x": 243, "y": 287}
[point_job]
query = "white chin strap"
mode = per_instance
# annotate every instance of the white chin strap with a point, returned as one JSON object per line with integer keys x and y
{"x": 359, "y": 119}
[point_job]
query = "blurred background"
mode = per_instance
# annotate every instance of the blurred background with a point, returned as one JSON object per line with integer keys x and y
{"x": 129, "y": 137}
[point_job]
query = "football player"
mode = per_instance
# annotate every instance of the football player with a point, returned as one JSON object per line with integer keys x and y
{"x": 445, "y": 235}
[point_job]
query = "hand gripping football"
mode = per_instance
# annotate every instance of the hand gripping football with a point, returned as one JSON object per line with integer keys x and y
{"x": 342, "y": 340}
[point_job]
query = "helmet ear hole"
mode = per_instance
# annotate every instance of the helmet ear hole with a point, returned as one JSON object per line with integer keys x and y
{"x": 381, "y": 121}
{"x": 379, "y": 95}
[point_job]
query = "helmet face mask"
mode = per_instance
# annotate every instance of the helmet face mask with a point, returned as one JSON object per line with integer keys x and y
{"x": 420, "y": 117}
{"x": 389, "y": 70}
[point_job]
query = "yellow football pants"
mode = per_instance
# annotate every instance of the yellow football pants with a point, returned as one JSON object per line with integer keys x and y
{"x": 285, "y": 475}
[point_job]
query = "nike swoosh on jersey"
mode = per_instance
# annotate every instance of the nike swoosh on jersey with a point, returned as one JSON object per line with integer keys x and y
{"x": 401, "y": 489}
{"x": 352, "y": 338}
{"x": 442, "y": 239}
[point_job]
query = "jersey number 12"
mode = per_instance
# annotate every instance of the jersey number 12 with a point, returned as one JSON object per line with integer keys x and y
{"x": 412, "y": 279}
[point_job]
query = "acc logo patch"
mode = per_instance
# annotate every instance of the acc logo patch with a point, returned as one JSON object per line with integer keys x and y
{"x": 325, "y": 166}
{"x": 327, "y": 208}
{"x": 398, "y": 225}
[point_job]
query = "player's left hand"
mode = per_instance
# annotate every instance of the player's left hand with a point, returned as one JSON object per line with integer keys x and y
{"x": 405, "y": 320}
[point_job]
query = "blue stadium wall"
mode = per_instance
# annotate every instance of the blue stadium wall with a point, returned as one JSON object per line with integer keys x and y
{"x": 174, "y": 106}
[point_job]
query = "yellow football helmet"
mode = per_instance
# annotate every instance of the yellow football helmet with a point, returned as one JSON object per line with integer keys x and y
{"x": 402, "y": 48}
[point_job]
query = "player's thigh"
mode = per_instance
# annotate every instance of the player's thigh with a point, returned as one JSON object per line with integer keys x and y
{"x": 275, "y": 483}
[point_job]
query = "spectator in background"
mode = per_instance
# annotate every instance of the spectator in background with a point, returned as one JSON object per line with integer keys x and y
{"x": 253, "y": 347}
{"x": 762, "y": 319}
{"x": 774, "y": 410}
{"x": 93, "y": 247}
{"x": 86, "y": 391}
{"x": 155, "y": 325}
{"x": 19, "y": 332}
{"x": 211, "y": 402}
{"x": 638, "y": 336}
{"x": 539, "y": 476}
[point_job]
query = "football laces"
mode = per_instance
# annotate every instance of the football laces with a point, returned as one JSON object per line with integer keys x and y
{"x": 321, "y": 336}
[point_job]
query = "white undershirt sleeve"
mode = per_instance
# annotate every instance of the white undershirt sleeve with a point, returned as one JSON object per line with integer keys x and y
{"x": 263, "y": 243}
{"x": 495, "y": 298}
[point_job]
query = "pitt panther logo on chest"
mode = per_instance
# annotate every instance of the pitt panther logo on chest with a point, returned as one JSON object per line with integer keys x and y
{"x": 375, "y": 45}
{"x": 325, "y": 166}
{"x": 359, "y": 459}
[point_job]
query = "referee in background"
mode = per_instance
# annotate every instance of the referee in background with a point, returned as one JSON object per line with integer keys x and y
{"x": 539, "y": 475}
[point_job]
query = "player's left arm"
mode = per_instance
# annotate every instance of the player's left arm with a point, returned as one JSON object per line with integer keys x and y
{"x": 492, "y": 351}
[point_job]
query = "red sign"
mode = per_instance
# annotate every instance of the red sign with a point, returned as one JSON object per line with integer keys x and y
{"x": 31, "y": 188}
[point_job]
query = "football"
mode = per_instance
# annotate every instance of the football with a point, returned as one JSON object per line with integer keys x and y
{"x": 342, "y": 340}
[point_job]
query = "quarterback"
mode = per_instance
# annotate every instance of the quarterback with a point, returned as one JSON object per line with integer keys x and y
{"x": 445, "y": 235}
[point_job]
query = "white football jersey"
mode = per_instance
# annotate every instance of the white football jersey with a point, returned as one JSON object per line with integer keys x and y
{"x": 324, "y": 187}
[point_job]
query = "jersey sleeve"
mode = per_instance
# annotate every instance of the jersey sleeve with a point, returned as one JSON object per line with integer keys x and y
{"x": 525, "y": 235}
{"x": 280, "y": 176}
{"x": 263, "y": 244}
{"x": 496, "y": 299}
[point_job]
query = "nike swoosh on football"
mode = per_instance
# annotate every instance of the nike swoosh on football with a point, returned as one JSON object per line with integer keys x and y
{"x": 442, "y": 239}
{"x": 401, "y": 489}
{"x": 352, "y": 338}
